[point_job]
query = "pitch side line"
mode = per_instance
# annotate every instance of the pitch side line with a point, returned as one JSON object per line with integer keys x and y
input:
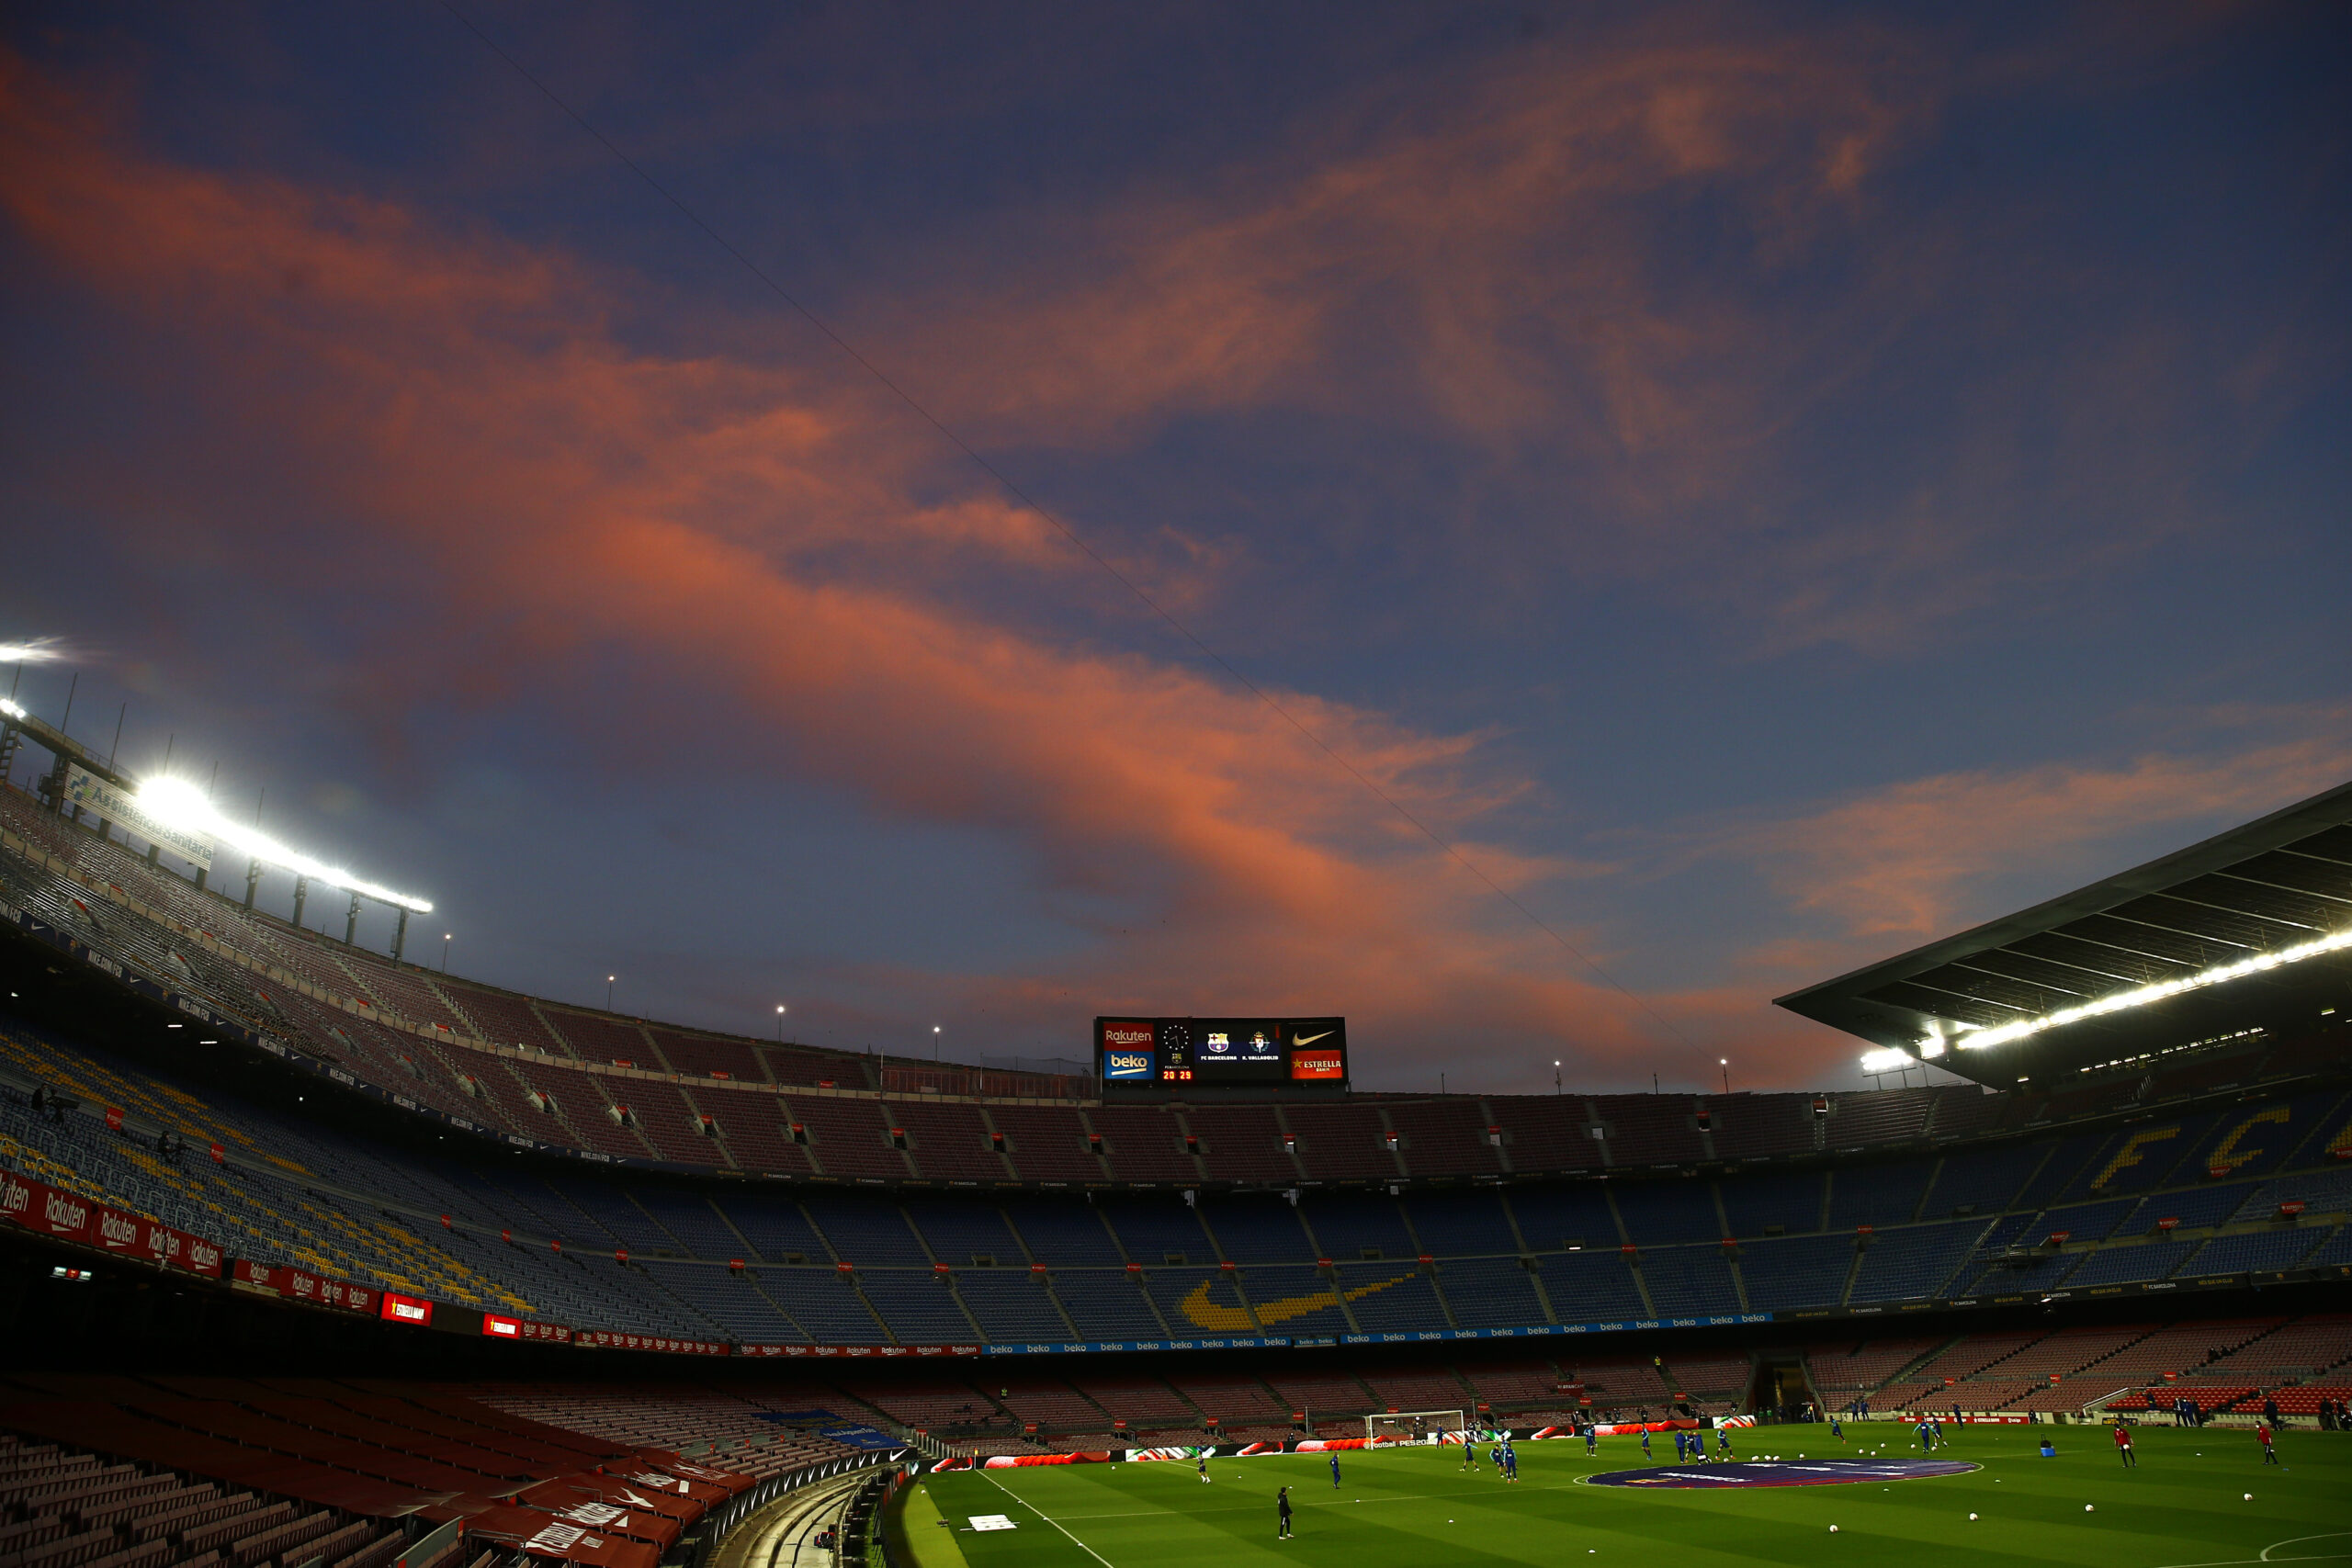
{"x": 1045, "y": 1516}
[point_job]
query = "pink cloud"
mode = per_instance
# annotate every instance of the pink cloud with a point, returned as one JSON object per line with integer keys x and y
{"x": 1909, "y": 861}
{"x": 487, "y": 444}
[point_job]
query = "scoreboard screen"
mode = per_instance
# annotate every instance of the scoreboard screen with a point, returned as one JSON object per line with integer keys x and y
{"x": 1164, "y": 1053}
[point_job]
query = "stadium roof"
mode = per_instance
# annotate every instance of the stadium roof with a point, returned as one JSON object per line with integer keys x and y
{"x": 2250, "y": 929}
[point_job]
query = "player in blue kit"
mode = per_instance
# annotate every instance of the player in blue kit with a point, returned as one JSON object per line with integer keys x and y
{"x": 1335, "y": 1470}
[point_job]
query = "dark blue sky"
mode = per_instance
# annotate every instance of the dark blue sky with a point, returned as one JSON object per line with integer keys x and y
{"x": 1769, "y": 489}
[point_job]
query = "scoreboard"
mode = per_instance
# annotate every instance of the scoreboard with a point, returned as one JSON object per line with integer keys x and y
{"x": 1168, "y": 1054}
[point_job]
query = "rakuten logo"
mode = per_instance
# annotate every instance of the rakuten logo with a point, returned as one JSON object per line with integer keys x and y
{"x": 1130, "y": 1036}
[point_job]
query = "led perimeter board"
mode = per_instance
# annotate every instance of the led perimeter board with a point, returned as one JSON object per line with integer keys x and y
{"x": 1165, "y": 1056}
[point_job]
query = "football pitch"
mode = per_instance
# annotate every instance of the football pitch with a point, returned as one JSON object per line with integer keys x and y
{"x": 2185, "y": 1506}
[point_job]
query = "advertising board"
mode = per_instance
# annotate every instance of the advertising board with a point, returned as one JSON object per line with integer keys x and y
{"x": 1171, "y": 1055}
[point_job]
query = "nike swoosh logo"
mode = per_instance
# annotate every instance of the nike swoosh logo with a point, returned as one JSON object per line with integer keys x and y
{"x": 1311, "y": 1039}
{"x": 1216, "y": 1319}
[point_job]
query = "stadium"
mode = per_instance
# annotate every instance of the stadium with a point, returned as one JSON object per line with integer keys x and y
{"x": 244, "y": 1157}
{"x": 1030, "y": 785}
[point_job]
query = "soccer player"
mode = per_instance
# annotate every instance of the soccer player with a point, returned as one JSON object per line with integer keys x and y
{"x": 1510, "y": 1460}
{"x": 2269, "y": 1450}
{"x": 2123, "y": 1444}
{"x": 1836, "y": 1430}
{"x": 1281, "y": 1514}
{"x": 1936, "y": 1426}
{"x": 1335, "y": 1470}
{"x": 1646, "y": 1442}
{"x": 1926, "y": 1439}
{"x": 1723, "y": 1441}
{"x": 1205, "y": 1467}
{"x": 1591, "y": 1438}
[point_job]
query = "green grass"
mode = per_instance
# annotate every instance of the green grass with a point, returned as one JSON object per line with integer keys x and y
{"x": 2184, "y": 1506}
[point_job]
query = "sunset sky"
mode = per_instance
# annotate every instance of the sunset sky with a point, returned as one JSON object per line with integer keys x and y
{"x": 1766, "y": 486}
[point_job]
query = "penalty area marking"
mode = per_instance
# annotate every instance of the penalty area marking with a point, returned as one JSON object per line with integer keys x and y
{"x": 1045, "y": 1516}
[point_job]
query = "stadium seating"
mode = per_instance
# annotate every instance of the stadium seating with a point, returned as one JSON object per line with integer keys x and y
{"x": 345, "y": 1207}
{"x": 1838, "y": 1374}
{"x": 1375, "y": 1216}
{"x": 429, "y": 1035}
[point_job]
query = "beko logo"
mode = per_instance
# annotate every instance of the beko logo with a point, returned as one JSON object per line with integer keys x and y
{"x": 1126, "y": 1063}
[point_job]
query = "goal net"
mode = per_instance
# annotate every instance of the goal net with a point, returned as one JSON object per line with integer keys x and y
{"x": 1415, "y": 1427}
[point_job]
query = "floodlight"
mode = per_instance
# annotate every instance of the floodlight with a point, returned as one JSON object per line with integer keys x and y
{"x": 1886, "y": 1061}
{"x": 1976, "y": 1039}
{"x": 38, "y": 650}
{"x": 176, "y": 803}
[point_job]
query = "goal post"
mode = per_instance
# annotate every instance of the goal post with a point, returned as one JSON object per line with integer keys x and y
{"x": 1415, "y": 1427}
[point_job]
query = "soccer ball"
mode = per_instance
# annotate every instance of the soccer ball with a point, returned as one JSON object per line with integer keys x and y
{"x": 2086, "y": 1507}
{"x": 1971, "y": 1518}
{"x": 1833, "y": 1529}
